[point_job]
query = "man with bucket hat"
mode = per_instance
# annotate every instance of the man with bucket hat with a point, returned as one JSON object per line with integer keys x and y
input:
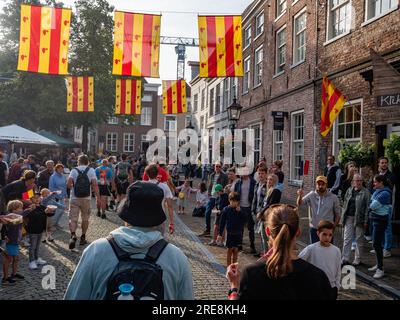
{"x": 143, "y": 216}
{"x": 322, "y": 205}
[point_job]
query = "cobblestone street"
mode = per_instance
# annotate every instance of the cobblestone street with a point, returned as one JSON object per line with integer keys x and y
{"x": 207, "y": 262}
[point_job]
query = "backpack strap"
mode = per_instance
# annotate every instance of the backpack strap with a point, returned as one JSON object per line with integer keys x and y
{"x": 79, "y": 171}
{"x": 86, "y": 170}
{"x": 121, "y": 254}
{"x": 155, "y": 250}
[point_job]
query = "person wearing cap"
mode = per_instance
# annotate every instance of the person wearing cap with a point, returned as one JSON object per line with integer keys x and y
{"x": 322, "y": 205}
{"x": 143, "y": 216}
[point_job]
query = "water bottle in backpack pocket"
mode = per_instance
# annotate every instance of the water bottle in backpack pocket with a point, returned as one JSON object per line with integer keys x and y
{"x": 144, "y": 275}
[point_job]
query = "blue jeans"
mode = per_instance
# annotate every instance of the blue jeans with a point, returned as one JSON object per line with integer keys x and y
{"x": 59, "y": 212}
{"x": 250, "y": 225}
{"x": 379, "y": 226}
{"x": 388, "y": 234}
{"x": 209, "y": 207}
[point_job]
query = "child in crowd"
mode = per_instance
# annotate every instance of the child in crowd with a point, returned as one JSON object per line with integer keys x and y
{"x": 12, "y": 233}
{"x": 37, "y": 222}
{"x": 50, "y": 198}
{"x": 325, "y": 255}
{"x": 183, "y": 196}
{"x": 201, "y": 200}
{"x": 234, "y": 220}
{"x": 220, "y": 203}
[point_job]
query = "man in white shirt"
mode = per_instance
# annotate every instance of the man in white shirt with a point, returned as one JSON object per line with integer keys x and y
{"x": 152, "y": 172}
{"x": 81, "y": 203}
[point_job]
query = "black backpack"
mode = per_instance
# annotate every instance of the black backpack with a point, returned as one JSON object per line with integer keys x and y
{"x": 82, "y": 184}
{"x": 144, "y": 274}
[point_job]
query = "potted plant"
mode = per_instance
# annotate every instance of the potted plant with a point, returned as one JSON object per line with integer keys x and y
{"x": 361, "y": 154}
{"x": 392, "y": 149}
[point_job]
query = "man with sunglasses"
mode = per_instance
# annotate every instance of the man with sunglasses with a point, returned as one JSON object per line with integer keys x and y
{"x": 322, "y": 205}
{"x": 217, "y": 177}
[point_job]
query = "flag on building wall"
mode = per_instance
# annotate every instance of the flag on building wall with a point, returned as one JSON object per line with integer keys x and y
{"x": 44, "y": 39}
{"x": 331, "y": 105}
{"x": 128, "y": 96}
{"x": 80, "y": 94}
{"x": 136, "y": 44}
{"x": 174, "y": 97}
{"x": 220, "y": 46}
{"x": 28, "y": 194}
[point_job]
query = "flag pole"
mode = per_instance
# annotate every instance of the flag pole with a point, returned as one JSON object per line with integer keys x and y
{"x": 314, "y": 147}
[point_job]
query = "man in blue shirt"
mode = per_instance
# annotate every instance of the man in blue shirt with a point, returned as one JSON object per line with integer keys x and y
{"x": 104, "y": 176}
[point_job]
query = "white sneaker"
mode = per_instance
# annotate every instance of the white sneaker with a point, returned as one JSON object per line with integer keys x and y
{"x": 370, "y": 242}
{"x": 372, "y": 251}
{"x": 41, "y": 262}
{"x": 25, "y": 243}
{"x": 378, "y": 274}
{"x": 374, "y": 268}
{"x": 33, "y": 265}
{"x": 368, "y": 238}
{"x": 386, "y": 253}
{"x": 356, "y": 262}
{"x": 353, "y": 247}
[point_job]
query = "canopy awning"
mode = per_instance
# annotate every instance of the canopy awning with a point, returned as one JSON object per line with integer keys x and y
{"x": 61, "y": 141}
{"x": 17, "y": 134}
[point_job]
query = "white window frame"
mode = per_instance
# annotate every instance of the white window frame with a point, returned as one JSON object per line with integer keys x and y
{"x": 260, "y": 150}
{"x": 226, "y": 96}
{"x": 234, "y": 89}
{"x": 168, "y": 119}
{"x": 368, "y": 20}
{"x": 112, "y": 120}
{"x": 259, "y": 33}
{"x": 195, "y": 102}
{"x": 329, "y": 25}
{"x": 296, "y": 36}
{"x": 278, "y": 15}
{"x": 258, "y": 65}
{"x": 335, "y": 135}
{"x": 245, "y": 38}
{"x": 276, "y": 142}
{"x": 145, "y": 119}
{"x": 295, "y": 1}
{"x": 111, "y": 147}
{"x": 129, "y": 142}
{"x": 293, "y": 165}
{"x": 277, "y": 50}
{"x": 218, "y": 99}
{"x": 247, "y": 75}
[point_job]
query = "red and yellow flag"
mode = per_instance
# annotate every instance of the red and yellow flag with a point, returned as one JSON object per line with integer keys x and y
{"x": 128, "y": 96}
{"x": 80, "y": 94}
{"x": 44, "y": 39}
{"x": 136, "y": 44}
{"x": 174, "y": 97}
{"x": 28, "y": 194}
{"x": 332, "y": 103}
{"x": 220, "y": 46}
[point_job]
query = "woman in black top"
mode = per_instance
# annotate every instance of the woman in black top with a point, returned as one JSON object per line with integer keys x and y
{"x": 282, "y": 276}
{"x": 347, "y": 177}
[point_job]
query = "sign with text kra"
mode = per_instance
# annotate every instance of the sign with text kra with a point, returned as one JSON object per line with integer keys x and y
{"x": 388, "y": 100}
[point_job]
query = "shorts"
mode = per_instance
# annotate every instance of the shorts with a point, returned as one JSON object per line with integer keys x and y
{"x": 12, "y": 250}
{"x": 104, "y": 190}
{"x": 233, "y": 240}
{"x": 77, "y": 205}
{"x": 122, "y": 187}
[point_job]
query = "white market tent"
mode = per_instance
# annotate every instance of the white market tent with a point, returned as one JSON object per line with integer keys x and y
{"x": 18, "y": 134}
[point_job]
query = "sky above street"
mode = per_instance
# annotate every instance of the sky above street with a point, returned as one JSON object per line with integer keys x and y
{"x": 176, "y": 24}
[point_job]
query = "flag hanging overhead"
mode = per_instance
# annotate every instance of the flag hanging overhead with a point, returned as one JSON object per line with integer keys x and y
{"x": 136, "y": 44}
{"x": 44, "y": 39}
{"x": 332, "y": 103}
{"x": 80, "y": 94}
{"x": 220, "y": 46}
{"x": 128, "y": 96}
{"x": 174, "y": 97}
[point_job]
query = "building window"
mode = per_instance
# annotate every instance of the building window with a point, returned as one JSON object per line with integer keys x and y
{"x": 145, "y": 117}
{"x": 257, "y": 143}
{"x": 203, "y": 99}
{"x": 218, "y": 100}
{"x": 226, "y": 93}
{"x": 278, "y": 144}
{"x": 280, "y": 7}
{"x": 129, "y": 142}
{"x": 246, "y": 78}
{"x": 212, "y": 101}
{"x": 347, "y": 128}
{"x": 339, "y": 18}
{"x": 260, "y": 24}
{"x": 195, "y": 102}
{"x": 111, "y": 141}
{"x": 170, "y": 123}
{"x": 299, "y": 46}
{"x": 297, "y": 124}
{"x": 376, "y": 8}
{"x": 201, "y": 122}
{"x": 247, "y": 36}
{"x": 112, "y": 120}
{"x": 280, "y": 49}
{"x": 234, "y": 86}
{"x": 258, "y": 66}
{"x": 147, "y": 98}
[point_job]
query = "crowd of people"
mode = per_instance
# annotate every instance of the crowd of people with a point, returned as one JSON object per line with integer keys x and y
{"x": 33, "y": 199}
